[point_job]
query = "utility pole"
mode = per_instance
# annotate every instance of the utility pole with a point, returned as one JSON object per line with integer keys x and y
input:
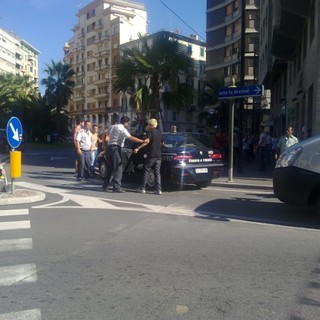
{"x": 242, "y": 73}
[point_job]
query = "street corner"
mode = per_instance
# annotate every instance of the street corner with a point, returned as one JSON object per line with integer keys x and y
{"x": 21, "y": 196}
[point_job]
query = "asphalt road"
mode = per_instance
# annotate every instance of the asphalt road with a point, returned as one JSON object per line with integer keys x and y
{"x": 216, "y": 253}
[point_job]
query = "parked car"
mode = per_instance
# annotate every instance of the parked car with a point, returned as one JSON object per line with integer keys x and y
{"x": 296, "y": 178}
{"x": 185, "y": 160}
{"x": 4, "y": 145}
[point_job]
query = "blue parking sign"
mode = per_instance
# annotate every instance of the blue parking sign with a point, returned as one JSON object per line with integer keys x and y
{"x": 14, "y": 132}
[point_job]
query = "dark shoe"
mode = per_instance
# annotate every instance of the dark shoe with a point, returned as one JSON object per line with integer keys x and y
{"x": 159, "y": 192}
{"x": 118, "y": 190}
{"x": 79, "y": 178}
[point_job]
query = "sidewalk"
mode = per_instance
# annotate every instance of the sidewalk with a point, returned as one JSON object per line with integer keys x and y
{"x": 250, "y": 177}
{"x": 19, "y": 196}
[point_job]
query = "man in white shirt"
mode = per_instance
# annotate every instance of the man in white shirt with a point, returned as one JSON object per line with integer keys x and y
{"x": 83, "y": 145}
{"x": 286, "y": 141}
{"x": 116, "y": 136}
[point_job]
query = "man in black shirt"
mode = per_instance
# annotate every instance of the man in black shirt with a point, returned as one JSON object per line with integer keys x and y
{"x": 153, "y": 156}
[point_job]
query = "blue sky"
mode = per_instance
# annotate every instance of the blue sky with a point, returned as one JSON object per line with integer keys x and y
{"x": 47, "y": 24}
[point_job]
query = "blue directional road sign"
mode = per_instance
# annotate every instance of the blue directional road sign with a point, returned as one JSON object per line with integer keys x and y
{"x": 14, "y": 132}
{"x": 240, "y": 92}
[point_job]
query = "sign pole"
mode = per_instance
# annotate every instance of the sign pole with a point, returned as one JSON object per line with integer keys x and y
{"x": 14, "y": 137}
{"x": 231, "y": 132}
{"x": 231, "y": 93}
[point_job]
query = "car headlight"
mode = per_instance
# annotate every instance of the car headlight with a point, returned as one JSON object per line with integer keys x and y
{"x": 288, "y": 157}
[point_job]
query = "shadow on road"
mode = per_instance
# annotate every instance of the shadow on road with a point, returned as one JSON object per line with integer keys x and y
{"x": 258, "y": 210}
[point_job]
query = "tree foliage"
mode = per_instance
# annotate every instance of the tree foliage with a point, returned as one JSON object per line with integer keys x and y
{"x": 152, "y": 68}
{"x": 18, "y": 94}
{"x": 59, "y": 86}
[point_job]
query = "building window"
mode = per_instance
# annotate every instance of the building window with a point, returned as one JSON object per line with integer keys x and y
{"x": 202, "y": 52}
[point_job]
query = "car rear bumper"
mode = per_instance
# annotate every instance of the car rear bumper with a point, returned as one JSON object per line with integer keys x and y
{"x": 195, "y": 173}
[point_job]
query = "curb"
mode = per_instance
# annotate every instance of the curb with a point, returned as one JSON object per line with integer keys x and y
{"x": 240, "y": 185}
{"x": 21, "y": 196}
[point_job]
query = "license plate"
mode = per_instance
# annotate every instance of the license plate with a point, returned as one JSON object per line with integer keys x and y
{"x": 201, "y": 170}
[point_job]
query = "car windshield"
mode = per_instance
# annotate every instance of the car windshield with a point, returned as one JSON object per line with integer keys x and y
{"x": 180, "y": 140}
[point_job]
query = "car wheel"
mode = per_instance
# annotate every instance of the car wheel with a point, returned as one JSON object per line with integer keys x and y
{"x": 151, "y": 180}
{"x": 318, "y": 206}
{"x": 203, "y": 184}
{"x": 103, "y": 169}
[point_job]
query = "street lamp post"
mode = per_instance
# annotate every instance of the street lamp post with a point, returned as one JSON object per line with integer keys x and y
{"x": 231, "y": 133}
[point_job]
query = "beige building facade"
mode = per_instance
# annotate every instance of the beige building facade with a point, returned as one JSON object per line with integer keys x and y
{"x": 93, "y": 50}
{"x": 233, "y": 50}
{"x": 17, "y": 56}
{"x": 290, "y": 63}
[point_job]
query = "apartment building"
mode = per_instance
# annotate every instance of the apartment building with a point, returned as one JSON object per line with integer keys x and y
{"x": 186, "y": 119}
{"x": 233, "y": 49}
{"x": 17, "y": 56}
{"x": 103, "y": 25}
{"x": 289, "y": 60}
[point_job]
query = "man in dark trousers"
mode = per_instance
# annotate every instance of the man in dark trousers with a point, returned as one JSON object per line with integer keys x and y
{"x": 153, "y": 156}
{"x": 115, "y": 137}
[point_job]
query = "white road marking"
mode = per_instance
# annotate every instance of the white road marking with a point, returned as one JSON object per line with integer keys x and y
{"x": 15, "y": 244}
{"x": 14, "y": 212}
{"x": 33, "y": 314}
{"x": 15, "y": 225}
{"x": 23, "y": 273}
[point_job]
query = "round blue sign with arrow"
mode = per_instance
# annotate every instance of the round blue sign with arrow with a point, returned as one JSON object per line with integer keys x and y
{"x": 14, "y": 132}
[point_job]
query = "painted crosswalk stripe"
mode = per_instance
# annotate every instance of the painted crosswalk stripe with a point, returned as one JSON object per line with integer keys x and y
{"x": 33, "y": 314}
{"x": 15, "y": 244}
{"x": 14, "y": 225}
{"x": 17, "y": 274}
{"x": 14, "y": 212}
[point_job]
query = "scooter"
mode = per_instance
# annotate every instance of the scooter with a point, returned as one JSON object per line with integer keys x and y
{"x": 4, "y": 186}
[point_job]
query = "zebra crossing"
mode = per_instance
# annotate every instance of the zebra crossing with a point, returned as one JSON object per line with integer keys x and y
{"x": 16, "y": 221}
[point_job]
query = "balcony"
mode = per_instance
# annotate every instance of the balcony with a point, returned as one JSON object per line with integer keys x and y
{"x": 286, "y": 37}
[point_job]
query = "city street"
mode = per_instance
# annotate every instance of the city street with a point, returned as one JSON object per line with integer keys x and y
{"x": 216, "y": 253}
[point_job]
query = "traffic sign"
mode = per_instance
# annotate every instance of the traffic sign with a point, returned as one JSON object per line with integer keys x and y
{"x": 14, "y": 132}
{"x": 240, "y": 92}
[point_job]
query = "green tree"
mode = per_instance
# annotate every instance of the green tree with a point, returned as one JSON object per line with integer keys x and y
{"x": 59, "y": 87}
{"x": 158, "y": 63}
{"x": 18, "y": 96}
{"x": 214, "y": 112}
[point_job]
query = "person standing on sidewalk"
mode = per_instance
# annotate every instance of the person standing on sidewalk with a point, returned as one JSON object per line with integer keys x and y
{"x": 116, "y": 136}
{"x": 76, "y": 129}
{"x": 83, "y": 143}
{"x": 262, "y": 147}
{"x": 94, "y": 147}
{"x": 153, "y": 156}
{"x": 285, "y": 142}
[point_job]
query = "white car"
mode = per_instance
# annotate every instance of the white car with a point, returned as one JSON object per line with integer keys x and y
{"x": 296, "y": 179}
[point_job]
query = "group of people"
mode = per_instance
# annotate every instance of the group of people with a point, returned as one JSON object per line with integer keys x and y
{"x": 266, "y": 149}
{"x": 87, "y": 140}
{"x": 262, "y": 147}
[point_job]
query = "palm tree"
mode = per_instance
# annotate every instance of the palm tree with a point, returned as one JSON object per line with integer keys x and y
{"x": 156, "y": 65}
{"x": 59, "y": 87}
{"x": 213, "y": 110}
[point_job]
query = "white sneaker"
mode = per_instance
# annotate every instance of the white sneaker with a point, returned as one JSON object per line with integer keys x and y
{"x": 159, "y": 192}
